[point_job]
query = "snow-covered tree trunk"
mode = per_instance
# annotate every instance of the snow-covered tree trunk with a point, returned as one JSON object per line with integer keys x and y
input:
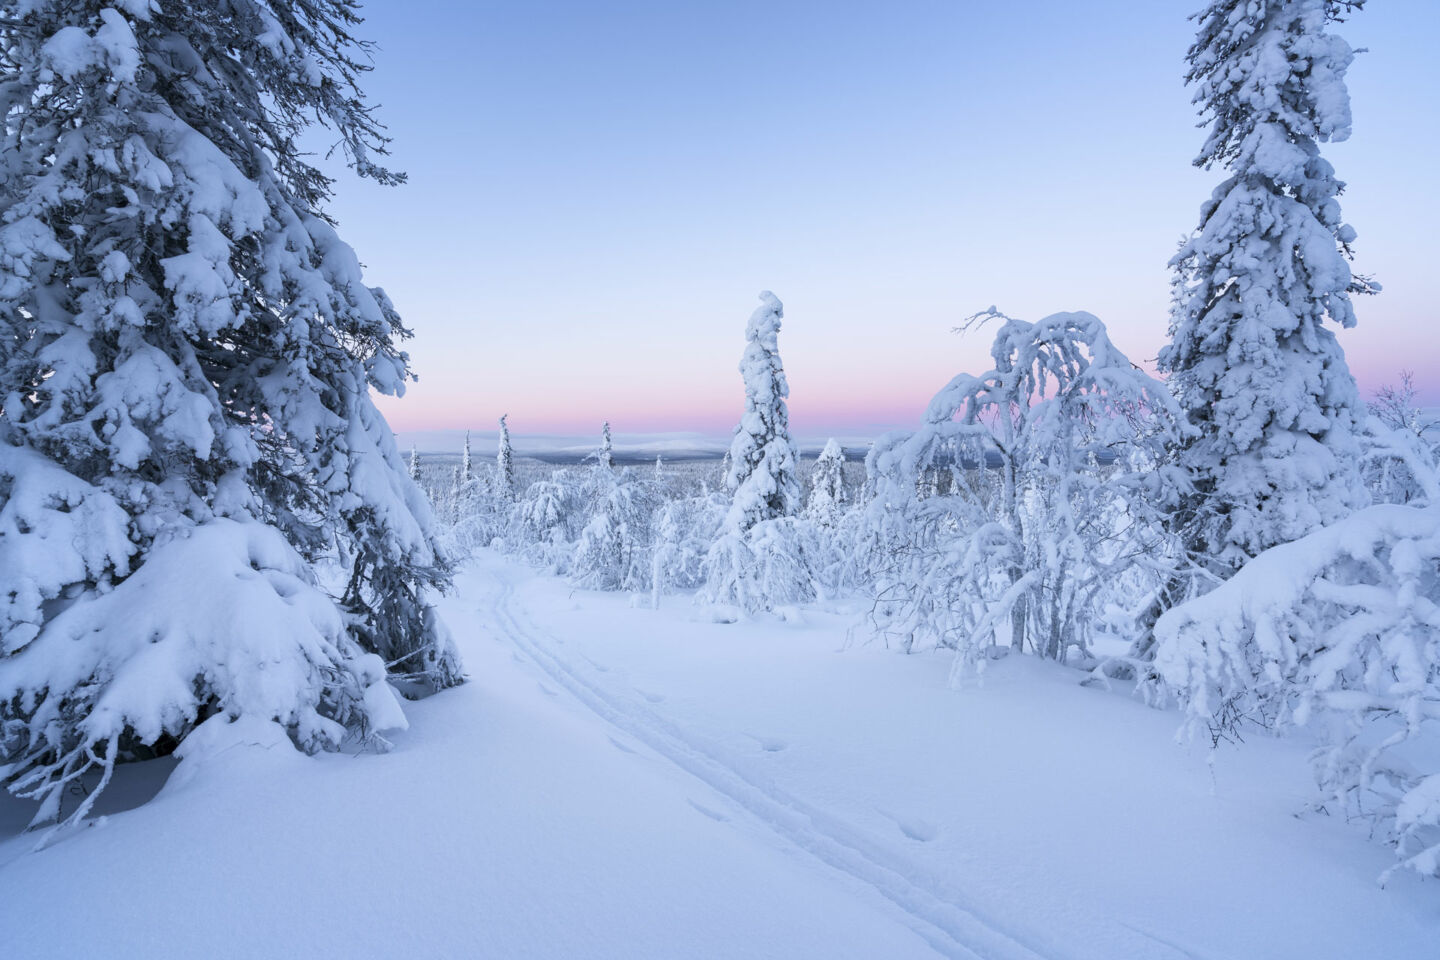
{"x": 1258, "y": 372}
{"x": 187, "y": 350}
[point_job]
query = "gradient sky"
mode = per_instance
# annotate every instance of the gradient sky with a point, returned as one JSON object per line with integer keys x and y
{"x": 598, "y": 192}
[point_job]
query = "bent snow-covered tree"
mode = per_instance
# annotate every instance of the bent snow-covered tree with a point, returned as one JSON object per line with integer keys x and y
{"x": 1251, "y": 360}
{"x": 186, "y": 354}
{"x": 1339, "y": 632}
{"x": 1035, "y": 516}
{"x": 758, "y": 559}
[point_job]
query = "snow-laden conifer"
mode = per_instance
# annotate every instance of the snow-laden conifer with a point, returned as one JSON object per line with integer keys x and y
{"x": 504, "y": 465}
{"x": 761, "y": 477}
{"x": 1257, "y": 369}
{"x": 754, "y": 568}
{"x": 187, "y": 350}
{"x": 827, "y": 485}
{"x": 467, "y": 471}
{"x": 605, "y": 456}
{"x": 414, "y": 464}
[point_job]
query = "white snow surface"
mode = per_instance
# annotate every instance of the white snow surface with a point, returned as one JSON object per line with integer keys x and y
{"x": 632, "y": 783}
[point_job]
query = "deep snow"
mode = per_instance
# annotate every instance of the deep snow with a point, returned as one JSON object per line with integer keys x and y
{"x": 622, "y": 782}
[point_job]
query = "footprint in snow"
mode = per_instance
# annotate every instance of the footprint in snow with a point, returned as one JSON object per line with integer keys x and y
{"x": 546, "y": 690}
{"x": 598, "y": 666}
{"x": 516, "y": 657}
{"x": 715, "y": 815}
{"x": 769, "y": 744}
{"x": 652, "y": 697}
{"x": 622, "y": 747}
{"x": 922, "y": 831}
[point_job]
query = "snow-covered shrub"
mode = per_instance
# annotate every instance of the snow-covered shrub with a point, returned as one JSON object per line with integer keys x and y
{"x": 187, "y": 351}
{"x": 1338, "y": 631}
{"x": 547, "y": 521}
{"x": 1401, "y": 448}
{"x": 1033, "y": 512}
{"x": 222, "y": 618}
{"x": 684, "y": 530}
{"x": 613, "y": 550}
{"x": 766, "y": 566}
{"x": 1251, "y": 360}
{"x": 477, "y": 517}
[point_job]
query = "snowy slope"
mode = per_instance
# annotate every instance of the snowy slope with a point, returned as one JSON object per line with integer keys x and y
{"x": 620, "y": 782}
{"x": 1067, "y": 817}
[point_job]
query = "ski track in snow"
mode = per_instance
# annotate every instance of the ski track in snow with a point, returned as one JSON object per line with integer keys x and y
{"x": 950, "y": 928}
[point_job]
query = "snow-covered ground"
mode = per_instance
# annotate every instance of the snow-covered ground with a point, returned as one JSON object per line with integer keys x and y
{"x": 622, "y": 782}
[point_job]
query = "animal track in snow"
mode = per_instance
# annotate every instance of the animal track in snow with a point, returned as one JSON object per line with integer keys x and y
{"x": 715, "y": 815}
{"x": 913, "y": 827}
{"x": 652, "y": 697}
{"x": 622, "y": 747}
{"x": 769, "y": 744}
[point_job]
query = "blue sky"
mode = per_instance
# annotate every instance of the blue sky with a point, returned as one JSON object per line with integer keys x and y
{"x": 599, "y": 191}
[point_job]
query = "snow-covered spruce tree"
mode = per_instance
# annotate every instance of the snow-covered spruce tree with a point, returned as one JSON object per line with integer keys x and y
{"x": 1024, "y": 535}
{"x": 504, "y": 465}
{"x": 414, "y": 464}
{"x": 827, "y": 486}
{"x": 758, "y": 559}
{"x": 467, "y": 470}
{"x": 605, "y": 456}
{"x": 1258, "y": 372}
{"x": 185, "y": 365}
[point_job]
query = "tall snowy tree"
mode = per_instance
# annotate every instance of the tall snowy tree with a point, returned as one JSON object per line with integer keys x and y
{"x": 467, "y": 471}
{"x": 606, "y": 454}
{"x": 1251, "y": 359}
{"x": 414, "y": 464}
{"x": 757, "y": 560}
{"x": 761, "y": 478}
{"x": 187, "y": 351}
{"x": 505, "y": 465}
